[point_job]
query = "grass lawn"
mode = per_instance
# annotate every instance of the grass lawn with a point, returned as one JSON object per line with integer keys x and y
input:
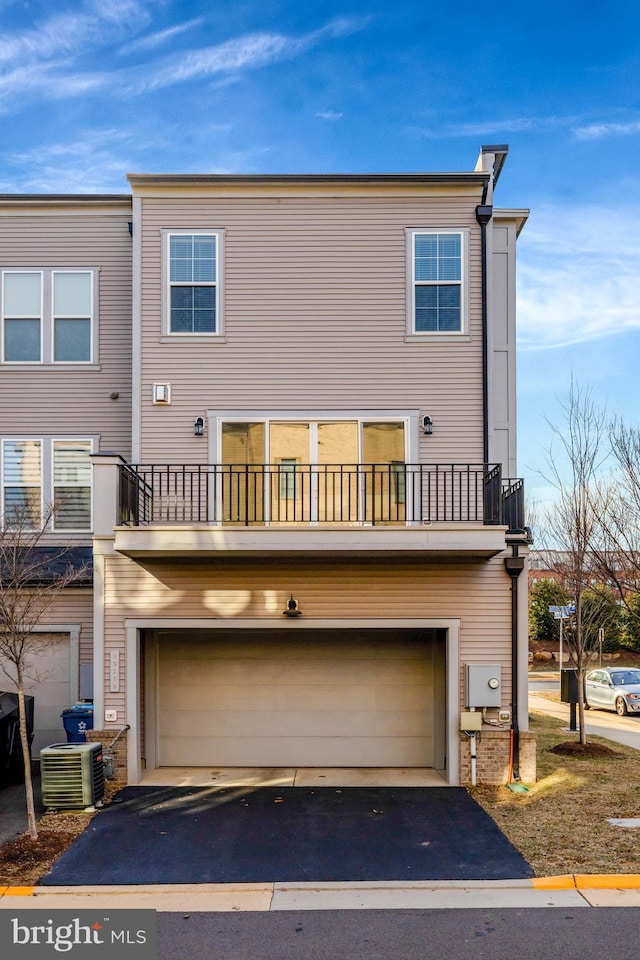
{"x": 560, "y": 825}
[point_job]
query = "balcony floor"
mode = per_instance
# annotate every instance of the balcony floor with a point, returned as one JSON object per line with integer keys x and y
{"x": 451, "y": 540}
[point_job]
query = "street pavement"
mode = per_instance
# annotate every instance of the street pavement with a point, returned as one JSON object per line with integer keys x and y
{"x": 483, "y": 934}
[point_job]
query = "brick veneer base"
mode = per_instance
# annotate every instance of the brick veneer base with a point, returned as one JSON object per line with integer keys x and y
{"x": 119, "y": 752}
{"x": 492, "y": 763}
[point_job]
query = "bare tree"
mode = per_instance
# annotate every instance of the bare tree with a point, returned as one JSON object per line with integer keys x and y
{"x": 33, "y": 575}
{"x": 575, "y": 458}
{"x": 617, "y": 548}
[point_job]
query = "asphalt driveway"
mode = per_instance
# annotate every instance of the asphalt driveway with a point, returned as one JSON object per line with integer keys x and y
{"x": 153, "y": 835}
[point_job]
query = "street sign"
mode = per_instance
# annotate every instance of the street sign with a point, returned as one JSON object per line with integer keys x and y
{"x": 562, "y": 613}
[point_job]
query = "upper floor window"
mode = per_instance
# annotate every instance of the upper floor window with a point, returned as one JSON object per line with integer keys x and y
{"x": 194, "y": 283}
{"x": 49, "y": 316}
{"x": 47, "y": 474}
{"x": 437, "y": 282}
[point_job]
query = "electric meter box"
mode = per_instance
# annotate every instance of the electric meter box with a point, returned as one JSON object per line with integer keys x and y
{"x": 483, "y": 684}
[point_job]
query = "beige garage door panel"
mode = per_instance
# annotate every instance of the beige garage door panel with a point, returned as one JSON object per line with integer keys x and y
{"x": 295, "y": 701}
{"x": 307, "y": 723}
{"x": 49, "y": 683}
{"x": 301, "y": 752}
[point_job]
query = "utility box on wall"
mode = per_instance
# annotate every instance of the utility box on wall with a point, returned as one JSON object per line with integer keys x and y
{"x": 483, "y": 684}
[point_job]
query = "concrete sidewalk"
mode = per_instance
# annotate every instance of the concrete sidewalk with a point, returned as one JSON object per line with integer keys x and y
{"x": 564, "y": 892}
{"x": 600, "y": 723}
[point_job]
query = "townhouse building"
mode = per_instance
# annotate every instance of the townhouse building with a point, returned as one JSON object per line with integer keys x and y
{"x": 281, "y": 412}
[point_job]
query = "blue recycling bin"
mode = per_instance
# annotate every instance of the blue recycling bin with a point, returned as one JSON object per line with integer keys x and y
{"x": 76, "y": 721}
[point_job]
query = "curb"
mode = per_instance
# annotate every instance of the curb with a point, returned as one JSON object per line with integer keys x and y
{"x": 568, "y": 881}
{"x": 585, "y": 881}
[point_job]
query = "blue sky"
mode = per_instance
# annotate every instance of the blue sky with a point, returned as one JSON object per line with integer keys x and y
{"x": 93, "y": 89}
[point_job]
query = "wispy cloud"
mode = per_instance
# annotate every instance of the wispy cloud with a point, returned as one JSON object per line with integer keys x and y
{"x": 599, "y": 131}
{"x": 330, "y": 115}
{"x": 96, "y": 161}
{"x": 65, "y": 33}
{"x": 248, "y": 52}
{"x": 582, "y": 128}
{"x": 40, "y": 63}
{"x": 487, "y": 128}
{"x": 578, "y": 276}
{"x": 160, "y": 37}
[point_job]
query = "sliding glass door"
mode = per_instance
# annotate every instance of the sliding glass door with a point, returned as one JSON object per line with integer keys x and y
{"x": 320, "y": 471}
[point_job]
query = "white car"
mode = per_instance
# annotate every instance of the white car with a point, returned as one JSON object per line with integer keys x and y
{"x": 614, "y": 688}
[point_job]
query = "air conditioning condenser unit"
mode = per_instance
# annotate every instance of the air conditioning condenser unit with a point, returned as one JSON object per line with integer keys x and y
{"x": 72, "y": 775}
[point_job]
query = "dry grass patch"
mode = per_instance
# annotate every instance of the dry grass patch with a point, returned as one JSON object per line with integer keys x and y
{"x": 560, "y": 826}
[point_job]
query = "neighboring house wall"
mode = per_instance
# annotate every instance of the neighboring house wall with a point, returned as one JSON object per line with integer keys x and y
{"x": 73, "y": 399}
{"x": 75, "y": 606}
{"x": 53, "y": 677}
{"x": 52, "y": 401}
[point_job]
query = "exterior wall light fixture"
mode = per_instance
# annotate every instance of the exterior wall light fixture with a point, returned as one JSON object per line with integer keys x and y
{"x": 427, "y": 426}
{"x": 198, "y": 427}
{"x": 293, "y": 610}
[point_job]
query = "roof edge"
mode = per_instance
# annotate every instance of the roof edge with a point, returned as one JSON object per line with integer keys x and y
{"x": 192, "y": 179}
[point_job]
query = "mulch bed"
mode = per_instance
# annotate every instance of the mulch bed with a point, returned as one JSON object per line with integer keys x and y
{"x": 573, "y": 748}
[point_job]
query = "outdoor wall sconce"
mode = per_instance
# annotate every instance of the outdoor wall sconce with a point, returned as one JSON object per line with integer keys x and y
{"x": 427, "y": 426}
{"x": 198, "y": 427}
{"x": 293, "y": 609}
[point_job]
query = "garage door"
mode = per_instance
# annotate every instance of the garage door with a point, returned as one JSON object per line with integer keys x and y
{"x": 49, "y": 685}
{"x": 350, "y": 698}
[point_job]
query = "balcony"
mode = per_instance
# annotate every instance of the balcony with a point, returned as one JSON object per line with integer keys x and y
{"x": 169, "y": 509}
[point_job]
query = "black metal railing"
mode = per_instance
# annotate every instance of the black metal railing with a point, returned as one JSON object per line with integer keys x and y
{"x": 135, "y": 497}
{"x": 290, "y": 493}
{"x": 513, "y": 513}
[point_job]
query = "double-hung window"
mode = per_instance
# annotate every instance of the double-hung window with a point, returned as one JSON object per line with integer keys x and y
{"x": 71, "y": 485}
{"x": 49, "y": 316}
{"x": 193, "y": 268}
{"x": 22, "y": 482}
{"x": 72, "y": 316}
{"x": 47, "y": 477}
{"x": 437, "y": 261}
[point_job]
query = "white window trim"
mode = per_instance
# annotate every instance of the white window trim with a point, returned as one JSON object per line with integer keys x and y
{"x": 217, "y": 419}
{"x": 47, "y": 486}
{"x": 40, "y": 272}
{"x": 5, "y": 483}
{"x": 463, "y": 332}
{"x": 93, "y": 324}
{"x": 47, "y": 316}
{"x": 218, "y": 334}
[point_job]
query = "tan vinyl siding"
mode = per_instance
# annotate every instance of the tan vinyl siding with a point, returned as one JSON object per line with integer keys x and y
{"x": 315, "y": 307}
{"x": 75, "y": 607}
{"x": 476, "y": 593}
{"x": 62, "y": 399}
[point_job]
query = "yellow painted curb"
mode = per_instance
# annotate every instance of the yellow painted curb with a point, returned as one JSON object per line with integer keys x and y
{"x": 564, "y": 882}
{"x": 625, "y": 881}
{"x": 19, "y": 891}
{"x": 2, "y": 891}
